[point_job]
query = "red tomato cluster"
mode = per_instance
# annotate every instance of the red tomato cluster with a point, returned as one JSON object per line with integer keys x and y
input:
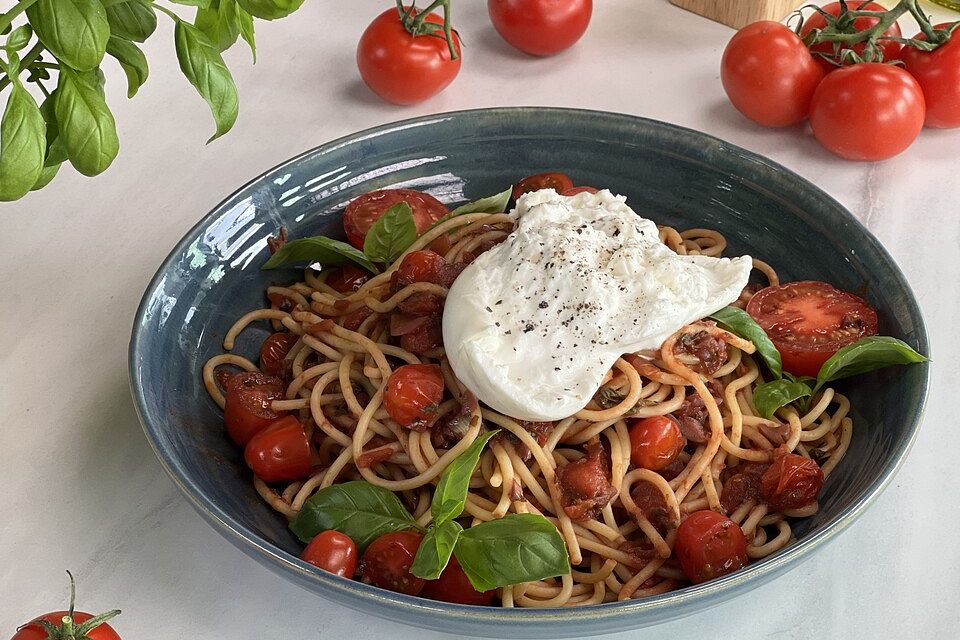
{"x": 862, "y": 111}
{"x": 406, "y": 59}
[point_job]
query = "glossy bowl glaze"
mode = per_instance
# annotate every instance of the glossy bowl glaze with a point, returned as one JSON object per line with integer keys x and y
{"x": 670, "y": 174}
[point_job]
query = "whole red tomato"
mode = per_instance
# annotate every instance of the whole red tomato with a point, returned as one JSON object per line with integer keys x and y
{"x": 769, "y": 74}
{"x": 69, "y": 624}
{"x": 403, "y": 68}
{"x": 709, "y": 545}
{"x": 938, "y": 74}
{"x": 414, "y": 391}
{"x": 540, "y": 27}
{"x": 889, "y": 48}
{"x": 868, "y": 111}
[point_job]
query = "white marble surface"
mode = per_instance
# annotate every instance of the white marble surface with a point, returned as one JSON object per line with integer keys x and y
{"x": 83, "y": 490}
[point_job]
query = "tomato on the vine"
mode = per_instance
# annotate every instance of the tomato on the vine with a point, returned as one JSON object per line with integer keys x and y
{"x": 709, "y": 545}
{"x": 364, "y": 210}
{"x": 540, "y": 27}
{"x": 70, "y": 624}
{"x": 938, "y": 74}
{"x": 332, "y": 551}
{"x": 888, "y": 48}
{"x": 867, "y": 111}
{"x": 769, "y": 74}
{"x": 404, "y": 68}
{"x": 809, "y": 321}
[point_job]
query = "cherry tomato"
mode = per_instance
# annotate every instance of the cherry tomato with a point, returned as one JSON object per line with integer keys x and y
{"x": 559, "y": 182}
{"x": 273, "y": 350}
{"x": 709, "y": 545}
{"x": 33, "y": 631}
{"x": 363, "y": 211}
{"x": 421, "y": 266}
{"x": 809, "y": 321}
{"x": 769, "y": 74}
{"x": 575, "y": 190}
{"x": 347, "y": 279}
{"x": 401, "y": 68}
{"x": 247, "y": 408}
{"x": 889, "y": 48}
{"x": 413, "y": 393}
{"x": 655, "y": 442}
{"x": 453, "y": 585}
{"x": 387, "y": 562}
{"x": 938, "y": 74}
{"x": 424, "y": 338}
{"x": 540, "y": 27}
{"x": 867, "y": 111}
{"x": 280, "y": 452}
{"x": 791, "y": 482}
{"x": 332, "y": 551}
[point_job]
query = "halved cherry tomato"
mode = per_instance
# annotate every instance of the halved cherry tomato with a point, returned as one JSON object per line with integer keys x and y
{"x": 347, "y": 279}
{"x": 769, "y": 74}
{"x": 655, "y": 442}
{"x": 816, "y": 20}
{"x": 280, "y": 452}
{"x": 414, "y": 391}
{"x": 791, "y": 482}
{"x": 809, "y": 321}
{"x": 363, "y": 211}
{"x": 33, "y": 631}
{"x": 869, "y": 111}
{"x": 247, "y": 409}
{"x": 540, "y": 27}
{"x": 387, "y": 562}
{"x": 709, "y": 545}
{"x": 453, "y": 585}
{"x": 575, "y": 190}
{"x": 332, "y": 551}
{"x": 559, "y": 182}
{"x": 938, "y": 73}
{"x": 401, "y": 68}
{"x": 273, "y": 350}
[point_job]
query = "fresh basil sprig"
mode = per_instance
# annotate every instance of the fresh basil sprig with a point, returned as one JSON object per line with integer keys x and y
{"x": 866, "y": 354}
{"x": 740, "y": 323}
{"x": 516, "y": 548}
{"x": 387, "y": 239}
{"x": 391, "y": 234}
{"x": 65, "y": 44}
{"x": 358, "y": 509}
{"x": 326, "y": 251}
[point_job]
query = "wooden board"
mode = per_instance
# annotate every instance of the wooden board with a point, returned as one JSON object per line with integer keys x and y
{"x": 738, "y": 13}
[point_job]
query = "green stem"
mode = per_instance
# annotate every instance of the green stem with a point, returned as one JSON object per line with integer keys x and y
{"x": 7, "y": 19}
{"x": 415, "y": 25}
{"x": 842, "y": 31}
{"x": 163, "y": 9}
{"x": 27, "y": 60}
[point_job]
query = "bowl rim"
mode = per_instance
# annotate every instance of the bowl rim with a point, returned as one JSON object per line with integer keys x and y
{"x": 343, "y": 590}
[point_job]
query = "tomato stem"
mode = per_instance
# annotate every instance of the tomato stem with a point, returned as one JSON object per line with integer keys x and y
{"x": 416, "y": 23}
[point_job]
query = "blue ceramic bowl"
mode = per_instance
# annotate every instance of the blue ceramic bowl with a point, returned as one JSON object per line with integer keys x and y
{"x": 669, "y": 174}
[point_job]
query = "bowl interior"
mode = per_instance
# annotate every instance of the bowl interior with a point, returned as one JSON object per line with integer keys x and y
{"x": 670, "y": 175}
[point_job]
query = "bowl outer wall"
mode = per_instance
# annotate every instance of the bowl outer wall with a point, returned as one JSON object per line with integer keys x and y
{"x": 670, "y": 174}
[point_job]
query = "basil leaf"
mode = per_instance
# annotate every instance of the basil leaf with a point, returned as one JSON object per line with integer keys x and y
{"x": 18, "y": 38}
{"x": 204, "y": 67}
{"x": 358, "y": 509}
{"x": 87, "y": 128}
{"x": 435, "y": 550}
{"x": 270, "y": 9}
{"x": 203, "y": 4}
{"x": 75, "y": 31}
{"x": 56, "y": 151}
{"x": 866, "y": 354}
{"x": 391, "y": 234}
{"x": 132, "y": 61}
{"x": 49, "y": 173}
{"x": 739, "y": 322}
{"x": 769, "y": 397}
{"x": 245, "y": 22}
{"x": 22, "y": 143}
{"x": 219, "y": 23}
{"x": 450, "y": 496}
{"x": 326, "y": 251}
{"x": 132, "y": 20}
{"x": 491, "y": 204}
{"x": 516, "y": 548}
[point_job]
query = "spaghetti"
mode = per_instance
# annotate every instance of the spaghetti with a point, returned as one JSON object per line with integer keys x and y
{"x": 336, "y": 382}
